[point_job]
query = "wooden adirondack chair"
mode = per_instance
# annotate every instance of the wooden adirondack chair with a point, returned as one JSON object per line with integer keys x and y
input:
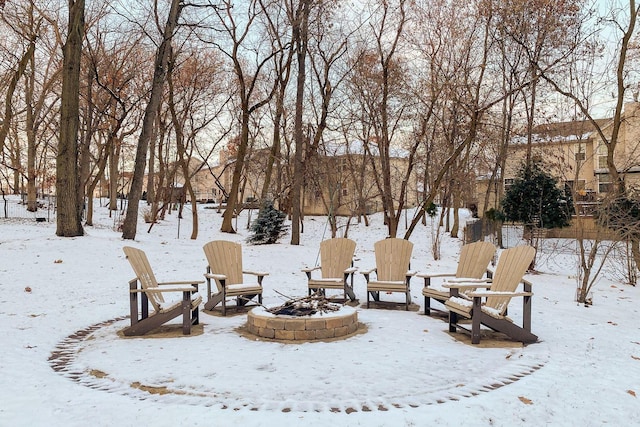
{"x": 152, "y": 291}
{"x": 336, "y": 265}
{"x": 512, "y": 266}
{"x": 393, "y": 261}
{"x": 472, "y": 266}
{"x": 225, "y": 268}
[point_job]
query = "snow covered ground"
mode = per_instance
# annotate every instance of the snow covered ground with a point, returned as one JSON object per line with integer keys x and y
{"x": 62, "y": 301}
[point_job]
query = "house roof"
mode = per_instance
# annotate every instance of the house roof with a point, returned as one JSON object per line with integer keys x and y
{"x": 357, "y": 147}
{"x": 562, "y": 131}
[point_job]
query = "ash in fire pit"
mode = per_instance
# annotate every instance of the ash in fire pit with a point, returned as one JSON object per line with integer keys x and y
{"x": 305, "y": 306}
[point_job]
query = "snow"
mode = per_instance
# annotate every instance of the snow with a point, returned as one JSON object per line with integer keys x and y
{"x": 63, "y": 300}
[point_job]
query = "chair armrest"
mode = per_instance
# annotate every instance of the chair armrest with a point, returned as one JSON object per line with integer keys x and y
{"x": 367, "y": 273}
{"x": 256, "y": 273}
{"x": 310, "y": 269}
{"x": 466, "y": 285}
{"x": 429, "y": 275}
{"x": 468, "y": 280}
{"x": 183, "y": 282}
{"x": 160, "y": 290}
{"x": 488, "y": 293}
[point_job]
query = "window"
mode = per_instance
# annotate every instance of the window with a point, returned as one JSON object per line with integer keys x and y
{"x": 602, "y": 156}
{"x": 602, "y": 162}
{"x": 508, "y": 182}
{"x": 580, "y": 152}
{"x": 604, "y": 183}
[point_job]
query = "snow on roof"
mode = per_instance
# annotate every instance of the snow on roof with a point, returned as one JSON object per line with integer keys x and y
{"x": 358, "y": 147}
{"x": 560, "y": 132}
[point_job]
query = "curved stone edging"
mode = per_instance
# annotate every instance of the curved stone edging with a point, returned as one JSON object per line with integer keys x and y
{"x": 63, "y": 361}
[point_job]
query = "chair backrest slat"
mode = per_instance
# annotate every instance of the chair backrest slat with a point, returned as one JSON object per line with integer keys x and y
{"x": 512, "y": 266}
{"x": 336, "y": 255}
{"x": 225, "y": 257}
{"x": 144, "y": 273}
{"x": 474, "y": 259}
{"x": 393, "y": 258}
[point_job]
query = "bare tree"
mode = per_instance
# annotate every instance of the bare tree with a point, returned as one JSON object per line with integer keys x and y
{"x": 115, "y": 69}
{"x": 36, "y": 101}
{"x": 191, "y": 89}
{"x": 282, "y": 68}
{"x": 30, "y": 36}
{"x": 159, "y": 75}
{"x": 300, "y": 38}
{"x": 458, "y": 66}
{"x": 241, "y": 49}
{"x": 68, "y": 200}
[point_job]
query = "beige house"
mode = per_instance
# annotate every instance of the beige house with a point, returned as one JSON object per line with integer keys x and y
{"x": 340, "y": 180}
{"x": 576, "y": 157}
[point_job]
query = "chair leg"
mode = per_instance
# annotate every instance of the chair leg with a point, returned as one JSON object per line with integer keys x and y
{"x": 427, "y": 300}
{"x": 526, "y": 313}
{"x": 224, "y": 303}
{"x": 453, "y": 321}
{"x": 186, "y": 313}
{"x": 195, "y": 316}
{"x": 475, "y": 320}
{"x": 133, "y": 302}
{"x": 144, "y": 305}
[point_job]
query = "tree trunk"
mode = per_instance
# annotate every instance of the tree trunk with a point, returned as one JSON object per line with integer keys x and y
{"x": 178, "y": 128}
{"x": 13, "y": 83}
{"x": 456, "y": 220}
{"x": 300, "y": 36}
{"x": 114, "y": 157}
{"x": 130, "y": 225}
{"x": 84, "y": 152}
{"x": 274, "y": 153}
{"x": 232, "y": 200}
{"x": 91, "y": 186}
{"x": 151, "y": 189}
{"x": 32, "y": 202}
{"x": 67, "y": 181}
{"x": 635, "y": 250}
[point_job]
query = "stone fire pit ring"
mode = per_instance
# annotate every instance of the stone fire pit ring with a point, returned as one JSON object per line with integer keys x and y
{"x": 319, "y": 326}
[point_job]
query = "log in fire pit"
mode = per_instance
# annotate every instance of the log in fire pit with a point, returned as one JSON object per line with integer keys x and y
{"x": 303, "y": 319}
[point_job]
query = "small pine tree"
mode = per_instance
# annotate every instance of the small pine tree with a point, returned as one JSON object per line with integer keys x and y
{"x": 268, "y": 226}
{"x": 535, "y": 199}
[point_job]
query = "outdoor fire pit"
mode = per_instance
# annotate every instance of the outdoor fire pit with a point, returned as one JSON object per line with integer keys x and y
{"x": 303, "y": 319}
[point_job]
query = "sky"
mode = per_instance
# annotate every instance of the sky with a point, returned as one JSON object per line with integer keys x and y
{"x": 63, "y": 301}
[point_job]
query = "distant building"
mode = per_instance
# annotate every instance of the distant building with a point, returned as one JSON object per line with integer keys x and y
{"x": 340, "y": 179}
{"x": 576, "y": 156}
